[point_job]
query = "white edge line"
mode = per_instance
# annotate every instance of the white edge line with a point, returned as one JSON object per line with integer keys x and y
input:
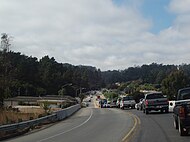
{"x": 69, "y": 129}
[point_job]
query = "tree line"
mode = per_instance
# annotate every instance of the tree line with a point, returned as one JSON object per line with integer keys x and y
{"x": 28, "y": 76}
{"x": 23, "y": 75}
{"x": 153, "y": 73}
{"x": 166, "y": 78}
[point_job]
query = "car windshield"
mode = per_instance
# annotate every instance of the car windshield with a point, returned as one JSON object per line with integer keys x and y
{"x": 154, "y": 96}
{"x": 104, "y": 101}
{"x": 127, "y": 98}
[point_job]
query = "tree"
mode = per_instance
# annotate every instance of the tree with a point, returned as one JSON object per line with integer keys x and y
{"x": 111, "y": 95}
{"x": 172, "y": 83}
{"x": 62, "y": 92}
{"x": 5, "y": 64}
{"x": 5, "y": 42}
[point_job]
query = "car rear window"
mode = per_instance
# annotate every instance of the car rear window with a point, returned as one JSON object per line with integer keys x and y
{"x": 154, "y": 96}
{"x": 127, "y": 98}
{"x": 185, "y": 95}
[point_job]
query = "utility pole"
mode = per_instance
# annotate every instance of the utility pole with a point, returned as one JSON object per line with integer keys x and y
{"x": 62, "y": 89}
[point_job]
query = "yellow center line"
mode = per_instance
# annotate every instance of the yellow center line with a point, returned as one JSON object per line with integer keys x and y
{"x": 136, "y": 122}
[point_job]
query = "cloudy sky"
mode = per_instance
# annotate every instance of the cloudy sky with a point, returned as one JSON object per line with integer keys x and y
{"x": 107, "y": 34}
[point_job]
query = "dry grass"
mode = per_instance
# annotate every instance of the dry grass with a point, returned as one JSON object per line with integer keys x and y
{"x": 13, "y": 116}
{"x": 18, "y": 114}
{"x": 10, "y": 116}
{"x": 24, "y": 113}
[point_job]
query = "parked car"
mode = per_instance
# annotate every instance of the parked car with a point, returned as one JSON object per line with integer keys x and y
{"x": 113, "y": 103}
{"x": 139, "y": 105}
{"x": 118, "y": 102}
{"x": 155, "y": 101}
{"x": 103, "y": 103}
{"x": 108, "y": 104}
{"x": 182, "y": 111}
{"x": 127, "y": 102}
{"x": 85, "y": 104}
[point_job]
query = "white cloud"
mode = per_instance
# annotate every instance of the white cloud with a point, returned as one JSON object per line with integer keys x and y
{"x": 95, "y": 32}
{"x": 180, "y": 6}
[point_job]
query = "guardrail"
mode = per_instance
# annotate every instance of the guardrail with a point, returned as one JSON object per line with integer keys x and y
{"x": 56, "y": 116}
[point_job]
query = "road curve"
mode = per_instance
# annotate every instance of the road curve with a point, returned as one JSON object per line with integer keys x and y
{"x": 157, "y": 127}
{"x": 87, "y": 125}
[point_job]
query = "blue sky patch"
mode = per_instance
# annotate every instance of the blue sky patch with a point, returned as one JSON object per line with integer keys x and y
{"x": 154, "y": 10}
{"x": 157, "y": 11}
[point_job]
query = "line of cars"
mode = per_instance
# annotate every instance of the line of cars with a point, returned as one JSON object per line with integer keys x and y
{"x": 153, "y": 101}
{"x": 123, "y": 102}
{"x": 181, "y": 108}
{"x": 104, "y": 103}
{"x": 156, "y": 101}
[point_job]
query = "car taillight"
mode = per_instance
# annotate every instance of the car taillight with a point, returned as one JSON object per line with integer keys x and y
{"x": 152, "y": 102}
{"x": 181, "y": 112}
{"x": 146, "y": 102}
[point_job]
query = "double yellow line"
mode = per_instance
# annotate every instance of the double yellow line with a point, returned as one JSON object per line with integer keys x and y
{"x": 136, "y": 125}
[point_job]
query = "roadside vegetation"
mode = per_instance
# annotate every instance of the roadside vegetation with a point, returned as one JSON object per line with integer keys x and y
{"x": 111, "y": 95}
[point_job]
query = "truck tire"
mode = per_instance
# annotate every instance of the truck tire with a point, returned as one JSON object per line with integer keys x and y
{"x": 175, "y": 124}
{"x": 161, "y": 110}
{"x": 146, "y": 111}
{"x": 181, "y": 130}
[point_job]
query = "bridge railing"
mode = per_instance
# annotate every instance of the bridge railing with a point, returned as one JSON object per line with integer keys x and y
{"x": 56, "y": 116}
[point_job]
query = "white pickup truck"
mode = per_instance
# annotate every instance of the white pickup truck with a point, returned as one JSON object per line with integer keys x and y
{"x": 127, "y": 102}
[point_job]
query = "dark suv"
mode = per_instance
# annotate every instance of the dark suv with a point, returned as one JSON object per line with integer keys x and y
{"x": 155, "y": 101}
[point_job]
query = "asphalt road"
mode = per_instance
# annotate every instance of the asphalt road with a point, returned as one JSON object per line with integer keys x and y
{"x": 87, "y": 125}
{"x": 157, "y": 127}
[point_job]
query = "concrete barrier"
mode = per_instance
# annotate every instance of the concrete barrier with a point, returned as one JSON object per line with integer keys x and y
{"x": 56, "y": 116}
{"x": 67, "y": 112}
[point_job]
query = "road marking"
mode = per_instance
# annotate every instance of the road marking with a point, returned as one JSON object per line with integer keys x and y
{"x": 136, "y": 122}
{"x": 91, "y": 113}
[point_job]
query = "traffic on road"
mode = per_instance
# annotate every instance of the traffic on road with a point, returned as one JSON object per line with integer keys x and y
{"x": 158, "y": 121}
{"x": 96, "y": 123}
